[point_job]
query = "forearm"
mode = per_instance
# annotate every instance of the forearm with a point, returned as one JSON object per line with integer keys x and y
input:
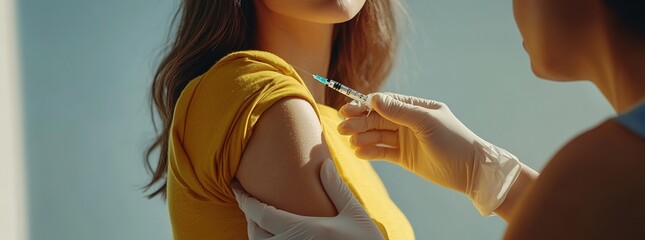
{"x": 522, "y": 184}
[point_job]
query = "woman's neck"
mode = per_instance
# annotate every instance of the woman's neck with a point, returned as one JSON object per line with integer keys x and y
{"x": 306, "y": 45}
{"x": 621, "y": 77}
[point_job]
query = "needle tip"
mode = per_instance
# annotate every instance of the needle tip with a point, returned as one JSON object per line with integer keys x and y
{"x": 320, "y": 79}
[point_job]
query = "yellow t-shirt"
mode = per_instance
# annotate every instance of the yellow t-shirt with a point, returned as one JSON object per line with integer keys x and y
{"x": 213, "y": 121}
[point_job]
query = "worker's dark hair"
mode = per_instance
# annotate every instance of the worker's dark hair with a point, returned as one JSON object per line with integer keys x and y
{"x": 630, "y": 13}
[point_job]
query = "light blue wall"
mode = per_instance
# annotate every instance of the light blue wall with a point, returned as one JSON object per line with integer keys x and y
{"x": 87, "y": 67}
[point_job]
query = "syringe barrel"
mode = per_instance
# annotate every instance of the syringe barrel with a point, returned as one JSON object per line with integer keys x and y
{"x": 351, "y": 93}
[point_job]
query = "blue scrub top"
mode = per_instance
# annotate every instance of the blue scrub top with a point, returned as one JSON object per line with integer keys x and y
{"x": 634, "y": 119}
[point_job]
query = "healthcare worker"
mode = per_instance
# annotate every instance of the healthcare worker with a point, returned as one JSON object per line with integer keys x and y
{"x": 593, "y": 188}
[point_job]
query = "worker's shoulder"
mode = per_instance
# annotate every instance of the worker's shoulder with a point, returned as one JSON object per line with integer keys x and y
{"x": 593, "y": 187}
{"x": 608, "y": 149}
{"x": 607, "y": 157}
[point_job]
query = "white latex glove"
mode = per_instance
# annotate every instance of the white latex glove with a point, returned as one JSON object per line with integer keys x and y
{"x": 424, "y": 137}
{"x": 267, "y": 222}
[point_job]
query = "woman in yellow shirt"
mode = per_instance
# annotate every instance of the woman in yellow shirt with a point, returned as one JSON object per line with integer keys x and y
{"x": 232, "y": 113}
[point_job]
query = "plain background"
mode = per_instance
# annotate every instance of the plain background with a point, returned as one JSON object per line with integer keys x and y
{"x": 12, "y": 184}
{"x": 87, "y": 68}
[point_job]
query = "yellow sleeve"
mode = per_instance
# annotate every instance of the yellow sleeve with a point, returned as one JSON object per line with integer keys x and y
{"x": 215, "y": 115}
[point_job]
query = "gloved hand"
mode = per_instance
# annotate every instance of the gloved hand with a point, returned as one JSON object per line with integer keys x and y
{"x": 424, "y": 137}
{"x": 267, "y": 222}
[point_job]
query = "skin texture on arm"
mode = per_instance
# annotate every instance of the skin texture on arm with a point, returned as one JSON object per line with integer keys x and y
{"x": 281, "y": 163}
{"x": 592, "y": 189}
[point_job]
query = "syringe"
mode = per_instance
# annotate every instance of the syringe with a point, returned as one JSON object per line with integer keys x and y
{"x": 345, "y": 90}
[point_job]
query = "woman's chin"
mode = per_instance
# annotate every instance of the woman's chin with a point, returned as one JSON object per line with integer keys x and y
{"x": 335, "y": 15}
{"x": 324, "y": 12}
{"x": 550, "y": 74}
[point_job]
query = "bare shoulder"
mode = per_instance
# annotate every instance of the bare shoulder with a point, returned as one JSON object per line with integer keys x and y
{"x": 281, "y": 162}
{"x": 592, "y": 188}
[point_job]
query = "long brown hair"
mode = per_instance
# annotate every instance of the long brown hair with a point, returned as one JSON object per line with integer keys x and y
{"x": 362, "y": 55}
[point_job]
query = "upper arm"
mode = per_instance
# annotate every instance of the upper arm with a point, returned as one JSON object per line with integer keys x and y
{"x": 281, "y": 162}
{"x": 592, "y": 188}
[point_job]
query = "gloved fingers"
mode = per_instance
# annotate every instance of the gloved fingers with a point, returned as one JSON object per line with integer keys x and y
{"x": 265, "y": 216}
{"x": 366, "y": 123}
{"x": 425, "y": 103}
{"x": 378, "y": 153}
{"x": 338, "y": 192}
{"x": 346, "y": 203}
{"x": 353, "y": 109}
{"x": 399, "y": 112}
{"x": 253, "y": 209}
{"x": 372, "y": 138}
{"x": 256, "y": 232}
{"x": 240, "y": 194}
